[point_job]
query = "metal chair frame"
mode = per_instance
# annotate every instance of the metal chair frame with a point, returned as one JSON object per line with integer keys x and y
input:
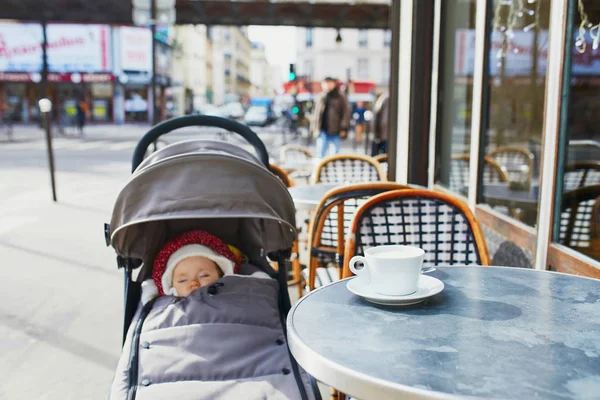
{"x": 325, "y": 217}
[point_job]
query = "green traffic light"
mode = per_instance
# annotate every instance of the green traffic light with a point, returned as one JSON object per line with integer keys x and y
{"x": 292, "y": 76}
{"x": 295, "y": 110}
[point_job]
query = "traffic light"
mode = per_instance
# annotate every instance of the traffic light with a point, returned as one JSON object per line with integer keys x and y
{"x": 295, "y": 109}
{"x": 292, "y": 74}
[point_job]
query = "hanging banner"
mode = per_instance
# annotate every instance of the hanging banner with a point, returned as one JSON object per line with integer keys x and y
{"x": 71, "y": 48}
{"x": 135, "y": 49}
{"x": 21, "y": 47}
{"x": 79, "y": 48}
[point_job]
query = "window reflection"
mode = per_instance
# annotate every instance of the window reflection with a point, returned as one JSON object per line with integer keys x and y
{"x": 457, "y": 49}
{"x": 517, "y": 68}
{"x": 578, "y": 225}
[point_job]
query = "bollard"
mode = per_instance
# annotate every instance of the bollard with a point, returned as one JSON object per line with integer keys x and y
{"x": 45, "y": 108}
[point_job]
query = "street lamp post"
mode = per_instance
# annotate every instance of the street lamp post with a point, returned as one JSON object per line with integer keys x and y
{"x": 45, "y": 108}
{"x": 153, "y": 12}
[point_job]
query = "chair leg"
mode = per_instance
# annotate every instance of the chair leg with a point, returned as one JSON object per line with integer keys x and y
{"x": 312, "y": 273}
{"x": 296, "y": 268}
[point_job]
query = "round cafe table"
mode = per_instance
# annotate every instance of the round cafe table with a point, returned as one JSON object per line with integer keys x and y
{"x": 307, "y": 197}
{"x": 300, "y": 164}
{"x": 493, "y": 332}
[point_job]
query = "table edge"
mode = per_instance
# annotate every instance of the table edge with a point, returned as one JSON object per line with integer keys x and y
{"x": 358, "y": 384}
{"x": 345, "y": 379}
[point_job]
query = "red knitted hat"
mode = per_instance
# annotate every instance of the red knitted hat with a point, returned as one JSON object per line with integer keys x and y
{"x": 192, "y": 237}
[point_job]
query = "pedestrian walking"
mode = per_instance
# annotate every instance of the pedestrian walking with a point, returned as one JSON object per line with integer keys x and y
{"x": 330, "y": 119}
{"x": 381, "y": 112}
{"x": 81, "y": 113}
{"x": 359, "y": 121}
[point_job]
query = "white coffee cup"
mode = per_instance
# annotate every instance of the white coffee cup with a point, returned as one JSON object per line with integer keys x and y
{"x": 392, "y": 270}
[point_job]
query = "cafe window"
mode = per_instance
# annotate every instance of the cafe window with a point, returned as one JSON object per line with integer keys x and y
{"x": 309, "y": 37}
{"x": 457, "y": 48}
{"x": 577, "y": 211}
{"x": 363, "y": 38}
{"x": 512, "y": 142}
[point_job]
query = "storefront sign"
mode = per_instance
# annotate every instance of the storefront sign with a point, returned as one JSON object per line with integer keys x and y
{"x": 20, "y": 47}
{"x": 135, "y": 49}
{"x": 18, "y": 77}
{"x": 79, "y": 48}
{"x": 137, "y": 79}
{"x": 71, "y": 48}
{"x": 80, "y": 78}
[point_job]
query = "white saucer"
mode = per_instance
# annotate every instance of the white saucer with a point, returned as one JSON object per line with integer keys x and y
{"x": 428, "y": 286}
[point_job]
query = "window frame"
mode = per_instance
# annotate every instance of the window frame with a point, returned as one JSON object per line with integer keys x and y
{"x": 539, "y": 240}
{"x": 309, "y": 38}
{"x": 363, "y": 38}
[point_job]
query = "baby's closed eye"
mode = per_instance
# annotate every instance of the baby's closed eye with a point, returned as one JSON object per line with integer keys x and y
{"x": 181, "y": 280}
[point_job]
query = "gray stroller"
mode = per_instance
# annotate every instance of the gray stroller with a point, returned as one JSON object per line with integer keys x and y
{"x": 227, "y": 340}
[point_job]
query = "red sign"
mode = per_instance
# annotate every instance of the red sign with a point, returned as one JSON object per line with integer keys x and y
{"x": 15, "y": 77}
{"x": 363, "y": 87}
{"x": 57, "y": 77}
{"x": 81, "y": 78}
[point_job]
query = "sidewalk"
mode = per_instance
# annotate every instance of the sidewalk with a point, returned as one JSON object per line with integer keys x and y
{"x": 273, "y": 136}
{"x": 61, "y": 308}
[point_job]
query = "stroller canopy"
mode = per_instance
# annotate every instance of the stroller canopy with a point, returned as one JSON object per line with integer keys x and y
{"x": 202, "y": 184}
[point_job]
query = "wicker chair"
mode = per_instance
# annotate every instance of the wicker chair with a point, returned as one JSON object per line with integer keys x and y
{"x": 348, "y": 168}
{"x": 294, "y": 153}
{"x": 296, "y": 267}
{"x": 331, "y": 222}
{"x": 580, "y": 218}
{"x": 510, "y": 157}
{"x": 440, "y": 224}
{"x": 282, "y": 175}
{"x": 459, "y": 173}
{"x": 383, "y": 163}
{"x": 581, "y": 174}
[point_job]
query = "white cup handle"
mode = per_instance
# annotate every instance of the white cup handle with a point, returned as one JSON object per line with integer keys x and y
{"x": 356, "y": 259}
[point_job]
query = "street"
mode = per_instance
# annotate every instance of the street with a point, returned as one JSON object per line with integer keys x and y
{"x": 61, "y": 303}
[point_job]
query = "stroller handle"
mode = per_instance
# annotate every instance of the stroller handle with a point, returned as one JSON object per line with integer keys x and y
{"x": 197, "y": 120}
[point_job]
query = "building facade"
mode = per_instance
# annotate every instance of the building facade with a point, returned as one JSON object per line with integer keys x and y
{"x": 107, "y": 68}
{"x": 192, "y": 69}
{"x": 362, "y": 55}
{"x": 236, "y": 49}
{"x": 260, "y": 72}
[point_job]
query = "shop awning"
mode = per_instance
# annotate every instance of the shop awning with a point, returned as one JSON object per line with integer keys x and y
{"x": 208, "y": 12}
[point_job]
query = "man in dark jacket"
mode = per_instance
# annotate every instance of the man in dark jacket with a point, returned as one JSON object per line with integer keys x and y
{"x": 331, "y": 118}
{"x": 380, "y": 124}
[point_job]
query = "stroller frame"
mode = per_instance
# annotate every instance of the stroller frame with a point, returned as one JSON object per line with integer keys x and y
{"x": 132, "y": 289}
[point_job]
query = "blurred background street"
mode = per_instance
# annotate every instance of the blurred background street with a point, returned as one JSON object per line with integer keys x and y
{"x": 469, "y": 98}
{"x": 61, "y": 306}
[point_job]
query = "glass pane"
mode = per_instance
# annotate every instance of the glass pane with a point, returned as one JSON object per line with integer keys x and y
{"x": 512, "y": 143}
{"x": 457, "y": 49}
{"x": 578, "y": 222}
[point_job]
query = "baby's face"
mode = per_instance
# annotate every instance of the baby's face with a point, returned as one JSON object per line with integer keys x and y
{"x": 193, "y": 273}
